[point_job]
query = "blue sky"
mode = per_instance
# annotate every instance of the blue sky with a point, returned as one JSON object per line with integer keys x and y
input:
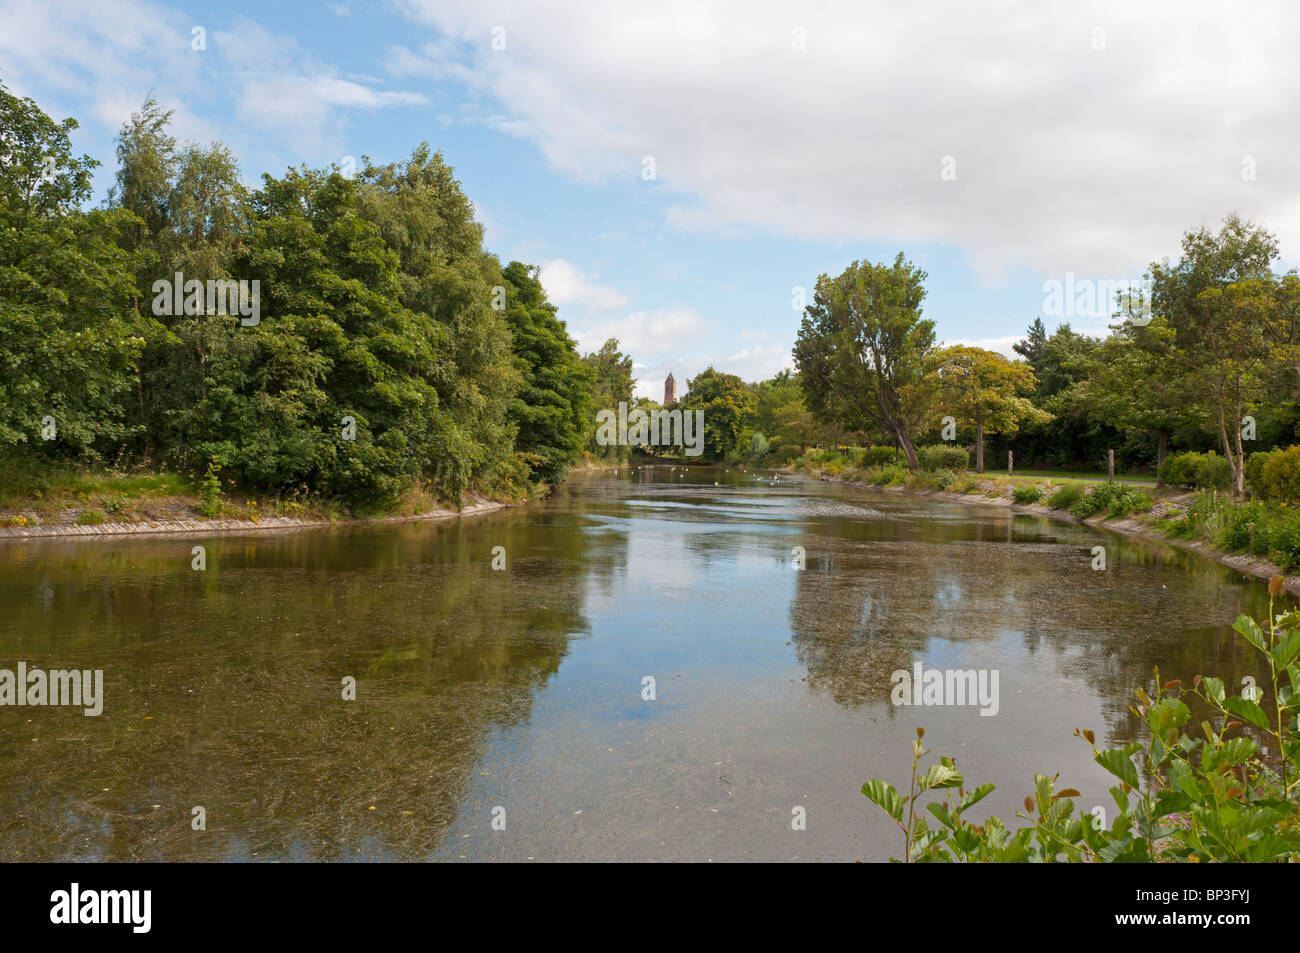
{"x": 997, "y": 150}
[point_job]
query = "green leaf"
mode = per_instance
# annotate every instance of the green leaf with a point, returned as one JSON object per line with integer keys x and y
{"x": 975, "y": 796}
{"x": 1237, "y": 750}
{"x": 941, "y": 812}
{"x": 1169, "y": 713}
{"x": 885, "y": 797}
{"x": 1249, "y": 628}
{"x": 1214, "y": 688}
{"x": 1118, "y": 763}
{"x": 940, "y": 776}
{"x": 1287, "y": 648}
{"x": 1247, "y": 710}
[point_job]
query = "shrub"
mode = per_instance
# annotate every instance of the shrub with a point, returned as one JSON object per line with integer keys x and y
{"x": 1279, "y": 474}
{"x": 1027, "y": 493}
{"x": 890, "y": 475}
{"x": 116, "y": 503}
{"x": 875, "y": 456}
{"x": 210, "y": 492}
{"x": 1198, "y": 471}
{"x": 1065, "y": 496}
{"x": 1255, "y": 463}
{"x": 965, "y": 483}
{"x": 942, "y": 457}
{"x": 91, "y": 517}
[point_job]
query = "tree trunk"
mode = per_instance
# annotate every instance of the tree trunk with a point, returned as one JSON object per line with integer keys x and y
{"x": 979, "y": 442}
{"x": 904, "y": 441}
{"x": 1162, "y": 447}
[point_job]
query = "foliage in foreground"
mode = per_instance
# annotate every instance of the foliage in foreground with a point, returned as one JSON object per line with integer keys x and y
{"x": 1207, "y": 795}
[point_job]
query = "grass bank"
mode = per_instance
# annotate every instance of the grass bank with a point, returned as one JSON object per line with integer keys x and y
{"x": 1258, "y": 537}
{"x": 39, "y": 498}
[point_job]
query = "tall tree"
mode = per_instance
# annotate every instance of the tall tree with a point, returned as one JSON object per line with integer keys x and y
{"x": 1218, "y": 299}
{"x": 552, "y": 411}
{"x": 612, "y": 384}
{"x": 727, "y": 403}
{"x": 988, "y": 390}
{"x": 862, "y": 347}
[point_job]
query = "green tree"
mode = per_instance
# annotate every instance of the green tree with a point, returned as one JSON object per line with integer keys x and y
{"x": 1218, "y": 299}
{"x": 553, "y": 410}
{"x": 988, "y": 390}
{"x": 727, "y": 403}
{"x": 862, "y": 347}
{"x": 70, "y": 339}
{"x": 612, "y": 384}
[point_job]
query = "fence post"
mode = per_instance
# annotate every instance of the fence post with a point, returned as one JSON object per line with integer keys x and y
{"x": 1011, "y": 465}
{"x": 1110, "y": 465}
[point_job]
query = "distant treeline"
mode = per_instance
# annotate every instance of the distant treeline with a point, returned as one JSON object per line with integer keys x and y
{"x": 361, "y": 339}
{"x": 1206, "y": 355}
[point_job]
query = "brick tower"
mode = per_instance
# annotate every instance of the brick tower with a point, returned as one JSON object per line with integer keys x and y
{"x": 670, "y": 390}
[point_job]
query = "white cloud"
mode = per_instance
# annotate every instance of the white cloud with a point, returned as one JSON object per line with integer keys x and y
{"x": 98, "y": 60}
{"x": 1067, "y": 157}
{"x": 644, "y": 333}
{"x": 565, "y": 284}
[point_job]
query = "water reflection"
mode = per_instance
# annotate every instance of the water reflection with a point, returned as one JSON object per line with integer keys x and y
{"x": 522, "y": 688}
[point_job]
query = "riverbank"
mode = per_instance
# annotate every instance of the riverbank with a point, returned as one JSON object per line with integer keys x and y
{"x": 1149, "y": 526}
{"x": 199, "y": 525}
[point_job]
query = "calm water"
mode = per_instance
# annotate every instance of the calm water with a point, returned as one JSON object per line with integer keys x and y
{"x": 522, "y": 688}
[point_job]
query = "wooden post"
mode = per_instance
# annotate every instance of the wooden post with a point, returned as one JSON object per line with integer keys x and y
{"x": 1010, "y": 463}
{"x": 1110, "y": 465}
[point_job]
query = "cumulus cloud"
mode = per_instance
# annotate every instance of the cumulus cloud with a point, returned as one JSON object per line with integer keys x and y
{"x": 566, "y": 285}
{"x": 105, "y": 56}
{"x": 1078, "y": 137}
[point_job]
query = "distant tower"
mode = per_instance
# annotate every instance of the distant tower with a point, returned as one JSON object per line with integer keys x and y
{"x": 670, "y": 390}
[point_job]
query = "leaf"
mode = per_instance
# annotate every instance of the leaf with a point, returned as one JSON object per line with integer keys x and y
{"x": 885, "y": 797}
{"x": 1287, "y": 648}
{"x": 1215, "y": 688}
{"x": 1237, "y": 750}
{"x": 941, "y": 812}
{"x": 1170, "y": 713}
{"x": 975, "y": 796}
{"x": 1248, "y": 710}
{"x": 1118, "y": 763}
{"x": 940, "y": 776}
{"x": 1249, "y": 628}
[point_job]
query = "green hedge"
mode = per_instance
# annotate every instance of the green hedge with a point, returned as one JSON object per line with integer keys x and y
{"x": 1198, "y": 471}
{"x": 876, "y": 456}
{"x": 942, "y": 457}
{"x": 1278, "y": 474}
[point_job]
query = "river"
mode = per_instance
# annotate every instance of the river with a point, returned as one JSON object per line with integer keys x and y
{"x": 519, "y": 695}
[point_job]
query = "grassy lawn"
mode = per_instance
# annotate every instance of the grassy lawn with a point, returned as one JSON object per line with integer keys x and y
{"x": 1076, "y": 476}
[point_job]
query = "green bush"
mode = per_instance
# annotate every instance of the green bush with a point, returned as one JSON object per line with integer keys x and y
{"x": 1065, "y": 496}
{"x": 875, "y": 456}
{"x": 210, "y": 492}
{"x": 890, "y": 475}
{"x": 1279, "y": 474}
{"x": 91, "y": 517}
{"x": 1198, "y": 471}
{"x": 1027, "y": 493}
{"x": 942, "y": 457}
{"x": 1255, "y": 471}
{"x": 1116, "y": 499}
